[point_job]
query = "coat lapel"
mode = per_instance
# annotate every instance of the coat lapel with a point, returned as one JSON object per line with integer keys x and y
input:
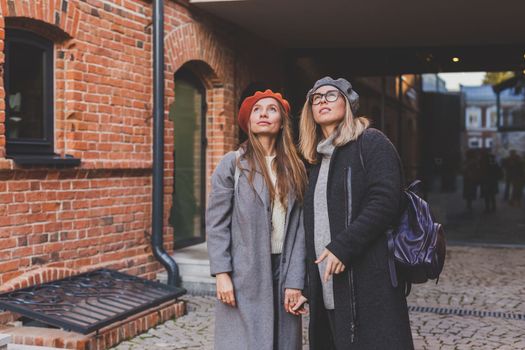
{"x": 262, "y": 191}
{"x": 258, "y": 182}
{"x": 288, "y": 238}
{"x": 260, "y": 187}
{"x": 291, "y": 203}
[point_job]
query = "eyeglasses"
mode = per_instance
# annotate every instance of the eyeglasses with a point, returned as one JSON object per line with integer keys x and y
{"x": 329, "y": 96}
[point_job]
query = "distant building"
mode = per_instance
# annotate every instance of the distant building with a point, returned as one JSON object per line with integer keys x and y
{"x": 433, "y": 83}
{"x": 480, "y": 111}
{"x": 511, "y": 123}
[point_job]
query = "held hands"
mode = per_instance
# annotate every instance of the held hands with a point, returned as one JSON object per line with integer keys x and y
{"x": 225, "y": 292}
{"x": 293, "y": 299}
{"x": 333, "y": 264}
{"x": 294, "y": 302}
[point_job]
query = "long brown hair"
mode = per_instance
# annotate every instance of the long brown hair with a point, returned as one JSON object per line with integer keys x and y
{"x": 310, "y": 132}
{"x": 289, "y": 169}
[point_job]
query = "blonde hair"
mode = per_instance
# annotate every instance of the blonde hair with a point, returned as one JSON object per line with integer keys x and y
{"x": 310, "y": 133}
{"x": 289, "y": 169}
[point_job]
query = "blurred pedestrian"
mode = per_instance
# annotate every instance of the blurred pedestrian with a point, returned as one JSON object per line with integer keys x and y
{"x": 471, "y": 173}
{"x": 517, "y": 178}
{"x": 491, "y": 173}
{"x": 505, "y": 166}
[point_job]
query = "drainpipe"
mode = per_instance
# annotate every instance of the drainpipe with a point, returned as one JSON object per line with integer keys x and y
{"x": 158, "y": 146}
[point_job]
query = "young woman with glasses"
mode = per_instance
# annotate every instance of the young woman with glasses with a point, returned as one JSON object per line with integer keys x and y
{"x": 348, "y": 209}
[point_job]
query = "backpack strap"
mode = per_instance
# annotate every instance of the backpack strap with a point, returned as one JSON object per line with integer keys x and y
{"x": 390, "y": 232}
{"x": 391, "y": 262}
{"x": 408, "y": 288}
{"x": 360, "y": 150}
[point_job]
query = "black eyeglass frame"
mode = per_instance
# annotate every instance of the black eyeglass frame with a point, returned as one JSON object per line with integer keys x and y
{"x": 325, "y": 96}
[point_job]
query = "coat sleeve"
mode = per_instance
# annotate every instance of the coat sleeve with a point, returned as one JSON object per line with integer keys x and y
{"x": 219, "y": 215}
{"x": 295, "y": 277}
{"x": 381, "y": 202}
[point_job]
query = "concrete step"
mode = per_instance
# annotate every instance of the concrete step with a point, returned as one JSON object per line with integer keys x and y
{"x": 194, "y": 269}
{"x": 5, "y": 339}
{"x": 30, "y": 347}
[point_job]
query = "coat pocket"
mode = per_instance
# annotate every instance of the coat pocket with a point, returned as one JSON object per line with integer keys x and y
{"x": 379, "y": 254}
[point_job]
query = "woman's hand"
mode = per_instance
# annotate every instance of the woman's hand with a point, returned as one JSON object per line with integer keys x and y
{"x": 225, "y": 289}
{"x": 292, "y": 298}
{"x": 333, "y": 264}
{"x": 300, "y": 307}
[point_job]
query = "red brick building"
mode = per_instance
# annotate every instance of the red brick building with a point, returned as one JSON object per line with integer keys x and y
{"x": 76, "y": 128}
{"x": 75, "y": 133}
{"x": 92, "y": 85}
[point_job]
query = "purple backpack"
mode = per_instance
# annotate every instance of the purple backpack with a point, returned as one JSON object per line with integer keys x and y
{"x": 416, "y": 242}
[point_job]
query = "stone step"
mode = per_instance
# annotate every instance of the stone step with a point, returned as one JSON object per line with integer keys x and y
{"x": 24, "y": 337}
{"x": 30, "y": 347}
{"x": 5, "y": 339}
{"x": 194, "y": 269}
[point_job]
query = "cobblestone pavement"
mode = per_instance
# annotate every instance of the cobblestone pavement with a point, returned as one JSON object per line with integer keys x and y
{"x": 504, "y": 226}
{"x": 489, "y": 283}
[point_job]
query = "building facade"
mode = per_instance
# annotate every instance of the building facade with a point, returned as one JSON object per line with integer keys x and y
{"x": 76, "y": 128}
{"x": 481, "y": 127}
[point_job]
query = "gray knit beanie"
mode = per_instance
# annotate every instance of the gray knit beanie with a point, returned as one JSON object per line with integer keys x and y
{"x": 342, "y": 85}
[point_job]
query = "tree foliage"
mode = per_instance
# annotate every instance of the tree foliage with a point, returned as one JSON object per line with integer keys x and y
{"x": 494, "y": 78}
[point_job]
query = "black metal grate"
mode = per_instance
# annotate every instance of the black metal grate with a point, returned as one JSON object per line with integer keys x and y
{"x": 87, "y": 302}
{"x": 467, "y": 312}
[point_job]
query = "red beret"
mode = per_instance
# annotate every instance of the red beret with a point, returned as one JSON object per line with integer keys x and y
{"x": 247, "y": 105}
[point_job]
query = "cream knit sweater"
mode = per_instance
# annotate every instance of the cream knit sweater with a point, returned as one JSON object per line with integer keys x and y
{"x": 278, "y": 214}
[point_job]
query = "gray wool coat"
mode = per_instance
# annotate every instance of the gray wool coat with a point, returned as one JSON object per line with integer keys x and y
{"x": 238, "y": 223}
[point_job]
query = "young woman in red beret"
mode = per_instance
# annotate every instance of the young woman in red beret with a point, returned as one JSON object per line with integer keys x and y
{"x": 254, "y": 226}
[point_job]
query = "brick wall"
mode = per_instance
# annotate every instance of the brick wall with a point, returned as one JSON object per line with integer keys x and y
{"x": 73, "y": 219}
{"x": 98, "y": 214}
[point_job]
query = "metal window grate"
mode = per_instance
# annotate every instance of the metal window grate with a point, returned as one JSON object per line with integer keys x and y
{"x": 466, "y": 312}
{"x": 87, "y": 302}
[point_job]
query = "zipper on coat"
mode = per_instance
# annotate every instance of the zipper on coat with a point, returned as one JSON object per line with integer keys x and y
{"x": 353, "y": 324}
{"x": 353, "y": 305}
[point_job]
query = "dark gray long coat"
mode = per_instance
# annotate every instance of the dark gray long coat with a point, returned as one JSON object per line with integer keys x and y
{"x": 238, "y": 222}
{"x": 371, "y": 201}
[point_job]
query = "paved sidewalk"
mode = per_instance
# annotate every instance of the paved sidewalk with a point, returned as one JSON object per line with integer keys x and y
{"x": 488, "y": 283}
{"x": 504, "y": 226}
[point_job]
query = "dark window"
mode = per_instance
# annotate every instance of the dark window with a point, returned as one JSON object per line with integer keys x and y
{"x": 188, "y": 114}
{"x": 29, "y": 93}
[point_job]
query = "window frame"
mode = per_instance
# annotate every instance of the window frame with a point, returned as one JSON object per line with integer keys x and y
{"x": 473, "y": 110}
{"x": 475, "y": 142}
{"x": 45, "y": 145}
{"x": 488, "y": 118}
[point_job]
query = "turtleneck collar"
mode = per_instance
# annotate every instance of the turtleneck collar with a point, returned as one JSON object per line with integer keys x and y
{"x": 326, "y": 146}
